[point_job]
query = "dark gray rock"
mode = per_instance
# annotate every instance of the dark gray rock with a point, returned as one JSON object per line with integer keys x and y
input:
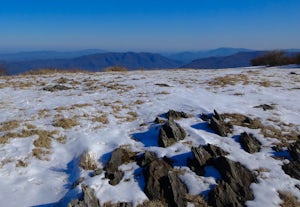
{"x": 156, "y": 177}
{"x": 215, "y": 151}
{"x": 170, "y": 133}
{"x": 249, "y": 143}
{"x": 179, "y": 190}
{"x": 171, "y": 114}
{"x": 217, "y": 123}
{"x": 201, "y": 156}
{"x": 121, "y": 204}
{"x": 223, "y": 196}
{"x": 294, "y": 150}
{"x": 119, "y": 156}
{"x": 163, "y": 184}
{"x": 238, "y": 177}
{"x": 292, "y": 169}
{"x": 265, "y": 107}
{"x": 89, "y": 199}
{"x": 146, "y": 158}
{"x": 56, "y": 88}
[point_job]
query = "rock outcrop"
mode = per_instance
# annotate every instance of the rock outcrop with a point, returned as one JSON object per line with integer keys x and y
{"x": 164, "y": 184}
{"x": 223, "y": 196}
{"x": 89, "y": 199}
{"x": 249, "y": 143}
{"x": 293, "y": 167}
{"x": 217, "y": 123}
{"x": 174, "y": 115}
{"x": 238, "y": 177}
{"x": 170, "y": 133}
{"x": 56, "y": 88}
{"x": 119, "y": 156}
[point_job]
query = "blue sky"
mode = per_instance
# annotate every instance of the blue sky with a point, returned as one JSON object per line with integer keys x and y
{"x": 144, "y": 25}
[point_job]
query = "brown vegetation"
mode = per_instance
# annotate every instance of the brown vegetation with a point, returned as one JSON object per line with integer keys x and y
{"x": 88, "y": 161}
{"x": 288, "y": 199}
{"x": 115, "y": 69}
{"x": 66, "y": 123}
{"x": 275, "y": 58}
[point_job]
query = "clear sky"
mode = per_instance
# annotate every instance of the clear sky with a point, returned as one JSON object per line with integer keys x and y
{"x": 149, "y": 25}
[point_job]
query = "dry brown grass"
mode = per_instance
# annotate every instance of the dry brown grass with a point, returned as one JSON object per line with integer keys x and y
{"x": 88, "y": 161}
{"x": 102, "y": 119}
{"x": 66, "y": 123}
{"x": 197, "y": 200}
{"x": 282, "y": 132}
{"x": 21, "y": 163}
{"x": 288, "y": 199}
{"x": 40, "y": 153}
{"x": 153, "y": 203}
{"x": 43, "y": 113}
{"x": 9, "y": 125}
{"x": 115, "y": 69}
{"x": 74, "y": 106}
{"x": 42, "y": 134}
{"x": 51, "y": 71}
{"x": 62, "y": 80}
{"x": 138, "y": 102}
{"x": 232, "y": 80}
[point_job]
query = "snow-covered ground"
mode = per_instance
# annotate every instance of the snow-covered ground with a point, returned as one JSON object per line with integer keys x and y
{"x": 114, "y": 109}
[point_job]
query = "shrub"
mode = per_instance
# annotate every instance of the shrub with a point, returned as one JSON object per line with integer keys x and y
{"x": 115, "y": 68}
{"x": 273, "y": 58}
{"x": 297, "y": 59}
{"x": 3, "y": 69}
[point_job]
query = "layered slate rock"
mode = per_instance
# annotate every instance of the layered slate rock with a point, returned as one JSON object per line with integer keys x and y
{"x": 223, "y": 196}
{"x": 170, "y": 133}
{"x": 294, "y": 150}
{"x": 204, "y": 156}
{"x": 265, "y": 107}
{"x": 56, "y": 88}
{"x": 293, "y": 167}
{"x": 89, "y": 199}
{"x": 174, "y": 115}
{"x": 249, "y": 143}
{"x": 119, "y": 156}
{"x": 164, "y": 184}
{"x": 217, "y": 123}
{"x": 215, "y": 151}
{"x": 238, "y": 177}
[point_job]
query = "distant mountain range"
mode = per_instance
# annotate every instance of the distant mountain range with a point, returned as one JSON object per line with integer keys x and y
{"x": 97, "y": 60}
{"x": 187, "y": 57}
{"x": 240, "y": 59}
{"x": 43, "y": 55}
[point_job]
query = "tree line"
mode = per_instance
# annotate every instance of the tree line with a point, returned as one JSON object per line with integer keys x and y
{"x": 276, "y": 58}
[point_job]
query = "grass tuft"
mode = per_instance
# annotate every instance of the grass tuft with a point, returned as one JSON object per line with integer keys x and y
{"x": 66, "y": 123}
{"x": 88, "y": 161}
{"x": 288, "y": 199}
{"x": 9, "y": 125}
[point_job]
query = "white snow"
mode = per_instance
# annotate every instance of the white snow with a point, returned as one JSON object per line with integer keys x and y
{"x": 48, "y": 182}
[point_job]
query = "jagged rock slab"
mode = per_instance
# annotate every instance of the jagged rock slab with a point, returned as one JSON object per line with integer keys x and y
{"x": 119, "y": 156}
{"x": 249, "y": 143}
{"x": 223, "y": 196}
{"x": 56, "y": 88}
{"x": 146, "y": 158}
{"x": 217, "y": 124}
{"x": 171, "y": 114}
{"x": 170, "y": 133}
{"x": 89, "y": 198}
{"x": 294, "y": 150}
{"x": 292, "y": 169}
{"x": 163, "y": 184}
{"x": 238, "y": 177}
{"x": 215, "y": 151}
